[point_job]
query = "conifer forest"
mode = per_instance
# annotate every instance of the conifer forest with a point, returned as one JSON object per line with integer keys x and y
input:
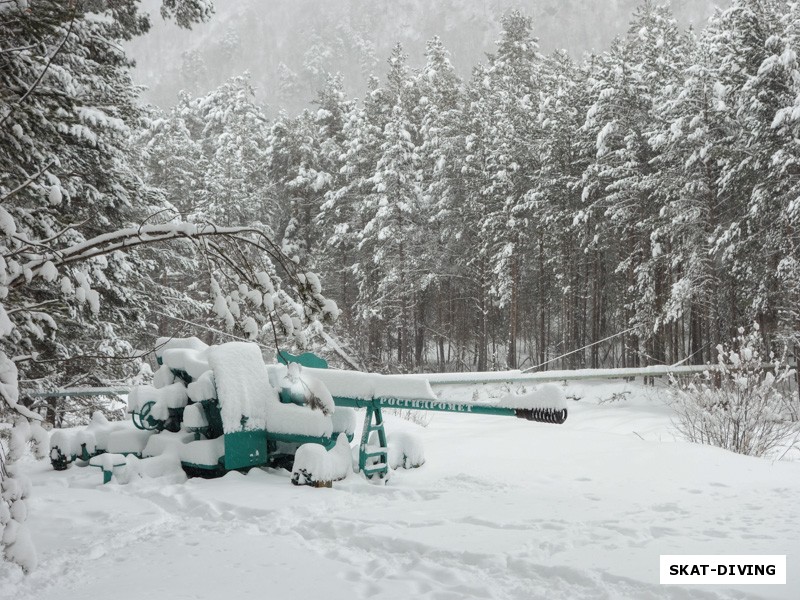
{"x": 235, "y": 234}
{"x": 629, "y": 207}
{"x": 535, "y": 208}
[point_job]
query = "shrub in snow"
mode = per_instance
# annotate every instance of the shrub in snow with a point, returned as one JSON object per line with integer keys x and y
{"x": 25, "y": 433}
{"x": 14, "y": 536}
{"x": 21, "y": 549}
{"x": 14, "y": 491}
{"x": 742, "y": 406}
{"x": 405, "y": 450}
{"x": 313, "y": 465}
{"x": 422, "y": 418}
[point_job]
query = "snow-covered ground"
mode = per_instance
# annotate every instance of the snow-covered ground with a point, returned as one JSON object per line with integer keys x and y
{"x": 503, "y": 508}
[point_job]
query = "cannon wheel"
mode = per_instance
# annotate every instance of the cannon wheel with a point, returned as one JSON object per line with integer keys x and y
{"x": 58, "y": 459}
{"x": 143, "y": 416}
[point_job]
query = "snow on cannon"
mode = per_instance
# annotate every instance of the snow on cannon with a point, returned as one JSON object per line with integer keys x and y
{"x": 220, "y": 408}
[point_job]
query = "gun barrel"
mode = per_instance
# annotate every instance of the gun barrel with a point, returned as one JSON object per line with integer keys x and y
{"x": 542, "y": 415}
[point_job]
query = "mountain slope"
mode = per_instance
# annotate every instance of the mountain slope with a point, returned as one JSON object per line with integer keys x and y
{"x": 289, "y": 45}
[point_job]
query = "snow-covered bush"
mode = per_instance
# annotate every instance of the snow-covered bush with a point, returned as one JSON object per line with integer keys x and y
{"x": 422, "y": 418}
{"x": 745, "y": 405}
{"x": 406, "y": 450}
{"x": 26, "y": 434}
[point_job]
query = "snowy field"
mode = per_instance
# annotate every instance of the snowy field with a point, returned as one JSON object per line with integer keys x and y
{"x": 503, "y": 508}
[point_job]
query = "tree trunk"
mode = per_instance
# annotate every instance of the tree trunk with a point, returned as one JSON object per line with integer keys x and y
{"x": 542, "y": 343}
{"x": 695, "y": 336}
{"x": 419, "y": 337}
{"x": 511, "y": 359}
{"x": 483, "y": 317}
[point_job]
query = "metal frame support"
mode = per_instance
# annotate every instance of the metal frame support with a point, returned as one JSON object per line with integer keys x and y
{"x": 365, "y": 453}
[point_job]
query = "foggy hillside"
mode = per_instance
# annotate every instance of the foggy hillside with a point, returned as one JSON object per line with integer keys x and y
{"x": 289, "y": 45}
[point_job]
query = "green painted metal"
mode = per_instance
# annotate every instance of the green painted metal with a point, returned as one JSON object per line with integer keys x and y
{"x": 245, "y": 449}
{"x": 204, "y": 471}
{"x": 86, "y": 455}
{"x": 291, "y": 396}
{"x": 146, "y": 422}
{"x": 106, "y": 473}
{"x": 292, "y": 438}
{"x": 175, "y": 419}
{"x": 540, "y": 415}
{"x": 60, "y": 461}
{"x": 434, "y": 405}
{"x": 380, "y": 467}
{"x": 182, "y": 375}
{"x": 373, "y": 410}
{"x": 214, "y": 418}
{"x": 217, "y": 467}
{"x": 307, "y": 359}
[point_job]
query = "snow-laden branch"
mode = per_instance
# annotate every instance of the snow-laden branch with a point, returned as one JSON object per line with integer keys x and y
{"x": 127, "y": 238}
{"x": 124, "y": 239}
{"x": 27, "y": 182}
{"x": 46, "y": 67}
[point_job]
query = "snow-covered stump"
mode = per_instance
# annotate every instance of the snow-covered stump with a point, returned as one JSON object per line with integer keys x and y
{"x": 317, "y": 467}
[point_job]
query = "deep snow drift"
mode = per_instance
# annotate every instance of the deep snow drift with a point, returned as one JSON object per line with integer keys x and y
{"x": 502, "y": 508}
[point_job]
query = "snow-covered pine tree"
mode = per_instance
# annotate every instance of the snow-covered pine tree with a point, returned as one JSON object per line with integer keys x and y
{"x": 332, "y": 219}
{"x": 342, "y": 213}
{"x": 755, "y": 46}
{"x": 439, "y": 114}
{"x": 170, "y": 153}
{"x": 290, "y": 154}
{"x": 467, "y": 216}
{"x": 693, "y": 141}
{"x": 511, "y": 83}
{"x": 170, "y": 156}
{"x": 565, "y": 256}
{"x": 66, "y": 109}
{"x": 627, "y": 81}
{"x": 233, "y": 141}
{"x": 392, "y": 211}
{"x": 69, "y": 110}
{"x": 305, "y": 162}
{"x": 73, "y": 210}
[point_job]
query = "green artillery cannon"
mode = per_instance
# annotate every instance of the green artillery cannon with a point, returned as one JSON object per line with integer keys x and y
{"x": 373, "y": 421}
{"x": 373, "y": 459}
{"x": 220, "y": 408}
